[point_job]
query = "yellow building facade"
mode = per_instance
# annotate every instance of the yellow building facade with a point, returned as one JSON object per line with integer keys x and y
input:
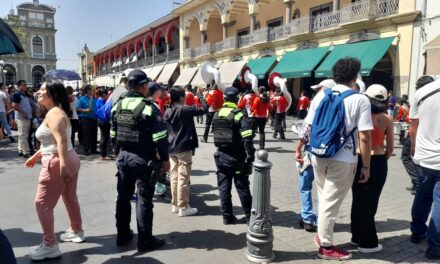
{"x": 223, "y": 31}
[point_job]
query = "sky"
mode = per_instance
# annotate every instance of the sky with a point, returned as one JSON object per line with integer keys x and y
{"x": 95, "y": 22}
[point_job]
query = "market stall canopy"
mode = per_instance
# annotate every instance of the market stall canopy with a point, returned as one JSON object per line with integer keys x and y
{"x": 167, "y": 72}
{"x": 433, "y": 56}
{"x": 9, "y": 43}
{"x": 229, "y": 72}
{"x": 368, "y": 52}
{"x": 300, "y": 63}
{"x": 259, "y": 67}
{"x": 186, "y": 76}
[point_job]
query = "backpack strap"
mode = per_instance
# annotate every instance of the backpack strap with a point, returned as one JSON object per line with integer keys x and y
{"x": 427, "y": 96}
{"x": 351, "y": 134}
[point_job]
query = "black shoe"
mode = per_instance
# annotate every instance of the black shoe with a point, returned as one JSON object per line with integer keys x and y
{"x": 124, "y": 239}
{"x": 306, "y": 226}
{"x": 152, "y": 244}
{"x": 11, "y": 139}
{"x": 205, "y": 140}
{"x": 230, "y": 220}
{"x": 417, "y": 238}
{"x": 431, "y": 255}
{"x": 20, "y": 154}
{"x": 26, "y": 156}
{"x": 274, "y": 136}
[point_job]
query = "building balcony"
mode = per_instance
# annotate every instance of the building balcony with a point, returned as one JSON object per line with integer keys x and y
{"x": 349, "y": 14}
{"x": 174, "y": 55}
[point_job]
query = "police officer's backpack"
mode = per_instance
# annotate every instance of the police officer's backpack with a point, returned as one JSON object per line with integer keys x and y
{"x": 129, "y": 119}
{"x": 223, "y": 127}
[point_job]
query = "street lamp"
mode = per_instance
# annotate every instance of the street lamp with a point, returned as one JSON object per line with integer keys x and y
{"x": 2, "y": 65}
{"x": 114, "y": 79}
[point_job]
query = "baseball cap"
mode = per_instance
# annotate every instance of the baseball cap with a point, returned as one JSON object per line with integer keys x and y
{"x": 137, "y": 77}
{"x": 153, "y": 87}
{"x": 231, "y": 92}
{"x": 328, "y": 83}
{"x": 377, "y": 91}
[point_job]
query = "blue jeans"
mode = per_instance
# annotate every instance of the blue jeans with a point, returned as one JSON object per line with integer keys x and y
{"x": 428, "y": 192}
{"x": 4, "y": 122}
{"x": 305, "y": 188}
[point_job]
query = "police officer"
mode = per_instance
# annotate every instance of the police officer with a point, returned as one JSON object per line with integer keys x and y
{"x": 233, "y": 138}
{"x": 140, "y": 133}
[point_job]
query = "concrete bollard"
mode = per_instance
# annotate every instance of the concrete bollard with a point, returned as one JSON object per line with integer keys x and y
{"x": 259, "y": 236}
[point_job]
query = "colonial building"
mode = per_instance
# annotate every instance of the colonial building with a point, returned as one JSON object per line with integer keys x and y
{"x": 426, "y": 42}
{"x": 301, "y": 40}
{"x": 34, "y": 25}
{"x": 153, "y": 48}
{"x": 86, "y": 64}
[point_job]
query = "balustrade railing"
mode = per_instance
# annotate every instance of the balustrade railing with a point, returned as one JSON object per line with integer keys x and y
{"x": 219, "y": 46}
{"x": 298, "y": 26}
{"x": 259, "y": 35}
{"x": 326, "y": 20}
{"x": 244, "y": 41}
{"x": 188, "y": 53}
{"x": 174, "y": 55}
{"x": 207, "y": 48}
{"x": 230, "y": 43}
{"x": 160, "y": 58}
{"x": 387, "y": 7}
{"x": 276, "y": 33}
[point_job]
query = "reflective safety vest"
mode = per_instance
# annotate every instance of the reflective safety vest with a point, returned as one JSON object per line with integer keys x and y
{"x": 225, "y": 128}
{"x": 132, "y": 131}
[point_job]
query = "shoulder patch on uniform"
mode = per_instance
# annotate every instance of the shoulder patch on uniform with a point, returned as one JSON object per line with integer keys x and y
{"x": 148, "y": 110}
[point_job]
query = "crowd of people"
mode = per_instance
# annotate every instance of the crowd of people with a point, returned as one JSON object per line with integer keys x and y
{"x": 345, "y": 142}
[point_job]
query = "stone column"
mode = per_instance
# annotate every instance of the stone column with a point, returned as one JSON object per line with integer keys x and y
{"x": 203, "y": 37}
{"x": 253, "y": 22}
{"x": 336, "y": 5}
{"x": 168, "y": 50}
{"x": 225, "y": 30}
{"x": 154, "y": 53}
{"x": 259, "y": 235}
{"x": 288, "y": 5}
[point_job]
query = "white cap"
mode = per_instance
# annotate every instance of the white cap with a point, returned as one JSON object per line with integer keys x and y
{"x": 377, "y": 91}
{"x": 327, "y": 83}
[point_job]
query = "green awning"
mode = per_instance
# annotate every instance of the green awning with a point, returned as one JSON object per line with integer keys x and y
{"x": 259, "y": 67}
{"x": 300, "y": 63}
{"x": 368, "y": 52}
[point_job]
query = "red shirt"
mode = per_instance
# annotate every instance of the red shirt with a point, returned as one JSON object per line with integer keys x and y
{"x": 246, "y": 103}
{"x": 403, "y": 114}
{"x": 260, "y": 108}
{"x": 190, "y": 99}
{"x": 215, "y": 100}
{"x": 303, "y": 103}
{"x": 163, "y": 101}
{"x": 279, "y": 104}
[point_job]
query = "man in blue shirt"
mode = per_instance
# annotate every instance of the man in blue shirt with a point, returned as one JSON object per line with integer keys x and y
{"x": 86, "y": 108}
{"x": 23, "y": 116}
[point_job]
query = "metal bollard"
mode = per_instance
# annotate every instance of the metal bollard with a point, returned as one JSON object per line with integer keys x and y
{"x": 259, "y": 236}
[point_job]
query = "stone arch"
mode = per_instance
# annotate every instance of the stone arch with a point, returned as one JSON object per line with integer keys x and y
{"x": 194, "y": 36}
{"x": 38, "y": 72}
{"x": 214, "y": 26}
{"x": 172, "y": 27}
{"x": 158, "y": 34}
{"x": 10, "y": 74}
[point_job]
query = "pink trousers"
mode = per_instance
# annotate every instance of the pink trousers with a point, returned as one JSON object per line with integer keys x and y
{"x": 51, "y": 186}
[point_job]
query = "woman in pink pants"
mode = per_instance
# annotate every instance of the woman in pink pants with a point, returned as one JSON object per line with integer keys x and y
{"x": 59, "y": 174}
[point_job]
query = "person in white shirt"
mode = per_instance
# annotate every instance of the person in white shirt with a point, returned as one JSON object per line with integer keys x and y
{"x": 425, "y": 149}
{"x": 334, "y": 176}
{"x": 4, "y": 108}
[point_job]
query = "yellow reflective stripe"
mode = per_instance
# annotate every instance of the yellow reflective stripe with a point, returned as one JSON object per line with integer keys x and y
{"x": 238, "y": 116}
{"x": 147, "y": 110}
{"x": 112, "y": 133}
{"x": 159, "y": 135}
{"x": 246, "y": 133}
{"x": 224, "y": 112}
{"x": 132, "y": 103}
{"x": 230, "y": 105}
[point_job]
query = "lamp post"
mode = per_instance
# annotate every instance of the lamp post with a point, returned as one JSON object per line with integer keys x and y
{"x": 114, "y": 79}
{"x": 2, "y": 64}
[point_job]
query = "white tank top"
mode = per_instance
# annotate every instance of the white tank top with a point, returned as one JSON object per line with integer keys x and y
{"x": 48, "y": 143}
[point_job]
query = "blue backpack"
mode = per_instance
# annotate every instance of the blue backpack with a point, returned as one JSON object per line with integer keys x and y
{"x": 328, "y": 132}
{"x": 104, "y": 113}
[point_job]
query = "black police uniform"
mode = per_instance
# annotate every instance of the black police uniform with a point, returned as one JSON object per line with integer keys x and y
{"x": 233, "y": 138}
{"x": 140, "y": 133}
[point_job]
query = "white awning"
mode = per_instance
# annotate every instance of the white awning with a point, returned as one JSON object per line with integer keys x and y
{"x": 114, "y": 64}
{"x": 135, "y": 58}
{"x": 155, "y": 71}
{"x": 167, "y": 73}
{"x": 147, "y": 70}
{"x": 127, "y": 60}
{"x": 229, "y": 72}
{"x": 185, "y": 77}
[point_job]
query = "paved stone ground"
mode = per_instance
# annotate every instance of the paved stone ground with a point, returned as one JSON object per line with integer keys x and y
{"x": 202, "y": 238}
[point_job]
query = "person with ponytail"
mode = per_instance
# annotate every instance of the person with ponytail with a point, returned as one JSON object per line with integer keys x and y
{"x": 59, "y": 172}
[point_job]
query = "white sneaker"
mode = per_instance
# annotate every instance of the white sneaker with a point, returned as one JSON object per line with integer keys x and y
{"x": 45, "y": 252}
{"x": 70, "y": 236}
{"x": 379, "y": 248}
{"x": 174, "y": 209}
{"x": 187, "y": 211}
